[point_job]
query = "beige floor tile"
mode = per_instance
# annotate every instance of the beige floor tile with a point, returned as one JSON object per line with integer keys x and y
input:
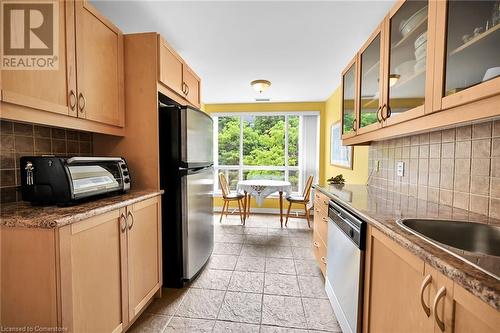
{"x": 232, "y": 327}
{"x": 250, "y": 282}
{"x": 168, "y": 303}
{"x": 222, "y": 261}
{"x": 281, "y": 284}
{"x": 319, "y": 315}
{"x": 241, "y": 307}
{"x": 201, "y": 303}
{"x": 189, "y": 325}
{"x": 283, "y": 311}
{"x": 250, "y": 264}
{"x": 280, "y": 266}
{"x": 150, "y": 323}
{"x": 212, "y": 279}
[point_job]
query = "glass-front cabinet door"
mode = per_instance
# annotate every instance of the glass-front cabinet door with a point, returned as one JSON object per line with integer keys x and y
{"x": 370, "y": 96}
{"x": 408, "y": 61}
{"x": 470, "y": 33}
{"x": 349, "y": 103}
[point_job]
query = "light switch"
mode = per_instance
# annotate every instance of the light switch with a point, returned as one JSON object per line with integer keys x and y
{"x": 400, "y": 167}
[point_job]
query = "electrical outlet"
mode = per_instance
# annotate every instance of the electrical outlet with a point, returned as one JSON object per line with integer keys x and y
{"x": 400, "y": 167}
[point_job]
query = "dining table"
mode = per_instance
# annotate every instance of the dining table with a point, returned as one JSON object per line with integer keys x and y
{"x": 261, "y": 189}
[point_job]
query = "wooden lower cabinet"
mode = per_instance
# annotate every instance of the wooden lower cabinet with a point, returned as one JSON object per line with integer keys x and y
{"x": 320, "y": 236}
{"x": 91, "y": 274}
{"x": 399, "y": 287}
{"x": 96, "y": 275}
{"x": 143, "y": 253}
{"x": 393, "y": 277}
{"x": 319, "y": 248}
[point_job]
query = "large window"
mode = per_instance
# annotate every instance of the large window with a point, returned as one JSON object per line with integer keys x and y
{"x": 266, "y": 146}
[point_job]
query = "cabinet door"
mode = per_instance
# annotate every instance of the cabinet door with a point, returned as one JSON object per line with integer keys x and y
{"x": 170, "y": 67}
{"x": 48, "y": 90}
{"x": 349, "y": 101}
{"x": 393, "y": 278}
{"x": 144, "y": 253}
{"x": 319, "y": 248}
{"x": 99, "y": 56}
{"x": 408, "y": 82}
{"x": 370, "y": 78}
{"x": 470, "y": 314}
{"x": 92, "y": 273}
{"x": 191, "y": 86}
{"x": 467, "y": 52}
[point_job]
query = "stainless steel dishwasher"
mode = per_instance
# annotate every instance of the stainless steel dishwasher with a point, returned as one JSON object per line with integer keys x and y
{"x": 344, "y": 276}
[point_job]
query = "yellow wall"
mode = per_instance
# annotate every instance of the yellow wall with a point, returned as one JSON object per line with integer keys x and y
{"x": 359, "y": 173}
{"x": 329, "y": 113}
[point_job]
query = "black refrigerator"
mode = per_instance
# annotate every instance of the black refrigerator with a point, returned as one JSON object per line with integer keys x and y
{"x": 187, "y": 177}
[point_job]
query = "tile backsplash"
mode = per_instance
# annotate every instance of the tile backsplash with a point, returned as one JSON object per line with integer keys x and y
{"x": 20, "y": 139}
{"x": 459, "y": 167}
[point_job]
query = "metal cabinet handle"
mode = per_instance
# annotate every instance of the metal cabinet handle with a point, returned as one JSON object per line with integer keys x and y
{"x": 384, "y": 107}
{"x": 131, "y": 224}
{"x": 72, "y": 100}
{"x": 440, "y": 294}
{"x": 325, "y": 220}
{"x": 389, "y": 112}
{"x": 81, "y": 102}
{"x": 187, "y": 90}
{"x": 183, "y": 88}
{"x": 427, "y": 281}
{"x": 323, "y": 260}
{"x": 123, "y": 222}
{"x": 379, "y": 115}
{"x": 316, "y": 244}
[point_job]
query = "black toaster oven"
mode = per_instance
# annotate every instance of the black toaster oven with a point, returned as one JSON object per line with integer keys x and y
{"x": 57, "y": 180}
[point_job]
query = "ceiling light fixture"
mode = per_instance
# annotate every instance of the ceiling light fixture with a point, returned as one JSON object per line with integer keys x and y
{"x": 260, "y": 85}
{"x": 393, "y": 79}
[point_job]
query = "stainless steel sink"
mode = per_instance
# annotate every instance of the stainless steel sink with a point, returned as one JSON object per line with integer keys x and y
{"x": 466, "y": 236}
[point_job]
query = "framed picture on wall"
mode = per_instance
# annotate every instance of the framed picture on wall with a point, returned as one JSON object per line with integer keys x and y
{"x": 340, "y": 156}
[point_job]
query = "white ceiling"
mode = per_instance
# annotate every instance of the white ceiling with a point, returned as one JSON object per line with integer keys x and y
{"x": 300, "y": 46}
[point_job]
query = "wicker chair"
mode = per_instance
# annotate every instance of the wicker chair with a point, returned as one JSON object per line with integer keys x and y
{"x": 301, "y": 200}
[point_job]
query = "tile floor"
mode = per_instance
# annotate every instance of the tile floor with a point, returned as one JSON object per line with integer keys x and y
{"x": 260, "y": 278}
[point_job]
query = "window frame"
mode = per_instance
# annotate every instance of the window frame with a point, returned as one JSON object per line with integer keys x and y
{"x": 241, "y": 168}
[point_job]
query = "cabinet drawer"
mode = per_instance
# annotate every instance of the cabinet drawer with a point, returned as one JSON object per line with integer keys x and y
{"x": 321, "y": 224}
{"x": 319, "y": 249}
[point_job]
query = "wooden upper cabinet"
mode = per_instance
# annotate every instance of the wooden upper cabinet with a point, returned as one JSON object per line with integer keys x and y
{"x": 371, "y": 64}
{"x": 408, "y": 73}
{"x": 174, "y": 73}
{"x": 349, "y": 101}
{"x": 170, "y": 67}
{"x": 467, "y": 66}
{"x": 99, "y": 57}
{"x": 434, "y": 56}
{"x": 191, "y": 85}
{"x": 144, "y": 259}
{"x": 48, "y": 90}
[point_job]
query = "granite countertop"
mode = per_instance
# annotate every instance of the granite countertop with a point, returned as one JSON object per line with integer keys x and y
{"x": 23, "y": 214}
{"x": 381, "y": 209}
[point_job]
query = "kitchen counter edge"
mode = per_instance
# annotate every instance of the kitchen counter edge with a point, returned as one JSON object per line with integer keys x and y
{"x": 24, "y": 215}
{"x": 454, "y": 268}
